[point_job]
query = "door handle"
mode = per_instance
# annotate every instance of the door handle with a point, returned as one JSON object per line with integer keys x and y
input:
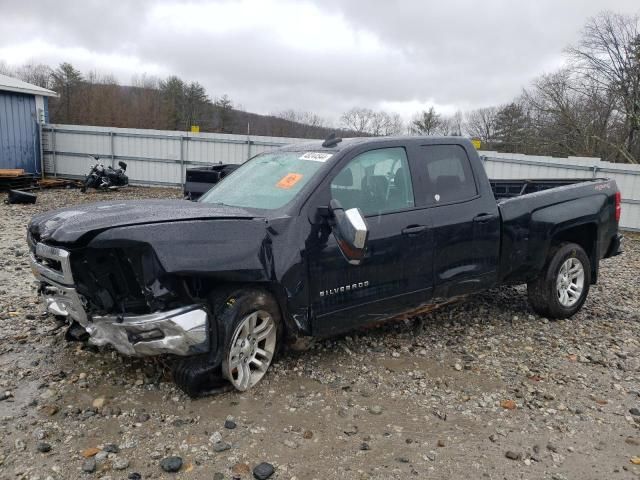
{"x": 484, "y": 218}
{"x": 413, "y": 230}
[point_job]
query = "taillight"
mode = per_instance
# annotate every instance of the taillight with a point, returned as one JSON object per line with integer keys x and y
{"x": 618, "y": 205}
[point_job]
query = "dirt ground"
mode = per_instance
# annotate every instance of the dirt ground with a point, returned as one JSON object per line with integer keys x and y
{"x": 483, "y": 389}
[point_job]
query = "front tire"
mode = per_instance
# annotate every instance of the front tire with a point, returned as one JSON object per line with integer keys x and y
{"x": 563, "y": 285}
{"x": 253, "y": 339}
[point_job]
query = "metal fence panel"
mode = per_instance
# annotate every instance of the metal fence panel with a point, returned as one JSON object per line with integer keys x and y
{"x": 161, "y": 157}
{"x": 627, "y": 177}
{"x": 152, "y": 156}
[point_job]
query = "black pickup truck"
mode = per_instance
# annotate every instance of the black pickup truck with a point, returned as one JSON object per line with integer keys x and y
{"x": 312, "y": 240}
{"x": 199, "y": 180}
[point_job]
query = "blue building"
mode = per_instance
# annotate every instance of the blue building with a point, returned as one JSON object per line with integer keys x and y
{"x": 23, "y": 107}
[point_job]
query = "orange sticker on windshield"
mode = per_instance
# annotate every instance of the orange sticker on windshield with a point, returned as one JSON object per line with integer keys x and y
{"x": 289, "y": 180}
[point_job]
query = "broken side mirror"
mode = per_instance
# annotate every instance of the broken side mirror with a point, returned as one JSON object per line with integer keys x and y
{"x": 350, "y": 231}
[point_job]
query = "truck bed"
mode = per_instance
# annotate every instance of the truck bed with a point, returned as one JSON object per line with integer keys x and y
{"x": 198, "y": 180}
{"x": 533, "y": 210}
{"x": 517, "y": 187}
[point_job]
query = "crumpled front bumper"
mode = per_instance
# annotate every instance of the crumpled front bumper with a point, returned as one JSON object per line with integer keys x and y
{"x": 180, "y": 331}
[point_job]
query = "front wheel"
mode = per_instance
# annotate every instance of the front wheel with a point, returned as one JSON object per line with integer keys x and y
{"x": 88, "y": 183}
{"x": 562, "y": 287}
{"x": 253, "y": 339}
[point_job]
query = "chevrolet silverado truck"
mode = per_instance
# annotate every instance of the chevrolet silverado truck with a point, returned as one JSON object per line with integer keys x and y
{"x": 313, "y": 240}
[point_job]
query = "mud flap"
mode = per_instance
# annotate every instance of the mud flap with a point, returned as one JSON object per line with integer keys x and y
{"x": 76, "y": 333}
{"x": 197, "y": 377}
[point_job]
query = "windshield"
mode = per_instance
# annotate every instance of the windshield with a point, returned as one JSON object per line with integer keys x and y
{"x": 267, "y": 181}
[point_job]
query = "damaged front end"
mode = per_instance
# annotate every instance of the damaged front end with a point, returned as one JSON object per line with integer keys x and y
{"x": 121, "y": 297}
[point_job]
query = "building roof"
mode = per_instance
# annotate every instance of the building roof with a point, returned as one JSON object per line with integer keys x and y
{"x": 10, "y": 84}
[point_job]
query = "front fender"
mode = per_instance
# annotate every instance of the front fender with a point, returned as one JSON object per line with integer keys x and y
{"x": 224, "y": 251}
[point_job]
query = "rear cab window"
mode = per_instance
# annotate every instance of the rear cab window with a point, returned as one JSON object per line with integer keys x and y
{"x": 448, "y": 173}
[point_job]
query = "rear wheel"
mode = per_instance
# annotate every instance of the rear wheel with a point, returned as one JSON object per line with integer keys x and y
{"x": 562, "y": 287}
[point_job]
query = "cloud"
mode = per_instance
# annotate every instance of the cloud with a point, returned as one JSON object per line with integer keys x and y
{"x": 322, "y": 56}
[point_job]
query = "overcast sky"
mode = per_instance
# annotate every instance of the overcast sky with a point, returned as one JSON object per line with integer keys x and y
{"x": 324, "y": 56}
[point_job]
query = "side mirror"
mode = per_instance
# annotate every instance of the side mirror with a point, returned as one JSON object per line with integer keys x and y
{"x": 350, "y": 231}
{"x": 122, "y": 165}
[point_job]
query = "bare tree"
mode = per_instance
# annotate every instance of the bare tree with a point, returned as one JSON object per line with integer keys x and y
{"x": 36, "y": 74}
{"x": 395, "y": 125}
{"x": 309, "y": 119}
{"x": 379, "y": 124}
{"x": 5, "y": 69}
{"x": 299, "y": 123}
{"x": 609, "y": 54}
{"x": 359, "y": 120}
{"x": 571, "y": 114}
{"x": 450, "y": 126}
{"x": 145, "y": 81}
{"x": 288, "y": 115}
{"x": 481, "y": 123}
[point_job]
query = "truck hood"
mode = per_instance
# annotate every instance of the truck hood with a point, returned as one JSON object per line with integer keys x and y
{"x": 67, "y": 225}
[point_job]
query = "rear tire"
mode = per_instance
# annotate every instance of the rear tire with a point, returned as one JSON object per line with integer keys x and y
{"x": 563, "y": 284}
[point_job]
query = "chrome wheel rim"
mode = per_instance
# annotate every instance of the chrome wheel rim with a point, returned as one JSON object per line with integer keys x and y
{"x": 570, "y": 282}
{"x": 252, "y": 347}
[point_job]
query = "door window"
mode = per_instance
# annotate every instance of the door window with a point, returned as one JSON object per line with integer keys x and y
{"x": 377, "y": 181}
{"x": 449, "y": 173}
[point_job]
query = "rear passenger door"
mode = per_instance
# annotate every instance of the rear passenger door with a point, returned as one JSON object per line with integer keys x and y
{"x": 464, "y": 219}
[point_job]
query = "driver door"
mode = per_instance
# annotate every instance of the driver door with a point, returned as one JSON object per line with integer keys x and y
{"x": 395, "y": 274}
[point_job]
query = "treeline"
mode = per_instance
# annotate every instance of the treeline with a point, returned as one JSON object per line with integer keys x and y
{"x": 590, "y": 107}
{"x": 149, "y": 102}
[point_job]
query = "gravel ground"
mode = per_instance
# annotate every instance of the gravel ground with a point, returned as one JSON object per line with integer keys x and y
{"x": 479, "y": 389}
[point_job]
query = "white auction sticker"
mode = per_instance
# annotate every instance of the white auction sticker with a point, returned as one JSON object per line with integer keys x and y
{"x": 316, "y": 156}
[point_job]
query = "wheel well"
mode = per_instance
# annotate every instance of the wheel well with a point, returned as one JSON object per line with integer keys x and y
{"x": 585, "y": 236}
{"x": 203, "y": 288}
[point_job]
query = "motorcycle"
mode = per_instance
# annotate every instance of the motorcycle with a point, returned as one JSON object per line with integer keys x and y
{"x": 105, "y": 178}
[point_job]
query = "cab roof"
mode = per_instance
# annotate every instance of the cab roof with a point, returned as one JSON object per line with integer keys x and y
{"x": 348, "y": 143}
